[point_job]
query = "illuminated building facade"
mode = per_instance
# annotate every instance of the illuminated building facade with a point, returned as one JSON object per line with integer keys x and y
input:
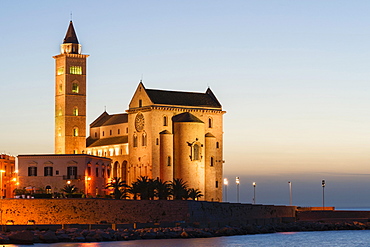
{"x": 8, "y": 176}
{"x": 70, "y": 96}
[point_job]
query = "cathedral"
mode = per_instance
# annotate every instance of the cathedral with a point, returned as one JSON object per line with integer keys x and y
{"x": 163, "y": 134}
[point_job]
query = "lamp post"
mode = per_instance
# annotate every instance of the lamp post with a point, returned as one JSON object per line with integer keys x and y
{"x": 254, "y": 192}
{"x": 226, "y": 183}
{"x": 237, "y": 181}
{"x": 290, "y": 194}
{"x": 323, "y": 193}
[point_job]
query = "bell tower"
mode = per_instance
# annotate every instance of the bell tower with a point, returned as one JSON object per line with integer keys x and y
{"x": 70, "y": 96}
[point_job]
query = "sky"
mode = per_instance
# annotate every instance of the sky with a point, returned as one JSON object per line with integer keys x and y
{"x": 293, "y": 77}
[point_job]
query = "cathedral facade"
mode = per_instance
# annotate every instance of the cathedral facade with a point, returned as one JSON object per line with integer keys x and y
{"x": 163, "y": 134}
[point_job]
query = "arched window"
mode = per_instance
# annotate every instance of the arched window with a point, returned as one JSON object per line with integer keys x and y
{"x": 75, "y": 87}
{"x": 212, "y": 161}
{"x": 169, "y": 161}
{"x": 165, "y": 121}
{"x": 210, "y": 123}
{"x": 135, "y": 141}
{"x": 48, "y": 189}
{"x": 75, "y": 131}
{"x": 143, "y": 140}
{"x": 75, "y": 111}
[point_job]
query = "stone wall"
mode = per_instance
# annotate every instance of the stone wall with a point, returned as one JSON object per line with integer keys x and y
{"x": 92, "y": 211}
{"x": 333, "y": 216}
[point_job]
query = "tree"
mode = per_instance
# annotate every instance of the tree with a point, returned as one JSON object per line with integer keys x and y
{"x": 179, "y": 189}
{"x": 144, "y": 187}
{"x": 194, "y": 194}
{"x": 69, "y": 189}
{"x": 120, "y": 188}
{"x": 162, "y": 189}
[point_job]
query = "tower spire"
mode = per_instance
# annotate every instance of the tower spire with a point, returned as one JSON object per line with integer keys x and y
{"x": 71, "y": 36}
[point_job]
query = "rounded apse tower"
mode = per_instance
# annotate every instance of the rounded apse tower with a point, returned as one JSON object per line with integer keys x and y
{"x": 189, "y": 151}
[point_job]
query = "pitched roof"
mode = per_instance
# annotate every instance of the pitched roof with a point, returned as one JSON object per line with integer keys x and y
{"x": 186, "y": 117}
{"x": 164, "y": 97}
{"x": 106, "y": 141}
{"x": 105, "y": 119}
{"x": 71, "y": 36}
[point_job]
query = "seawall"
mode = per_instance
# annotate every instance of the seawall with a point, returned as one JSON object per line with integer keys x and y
{"x": 93, "y": 211}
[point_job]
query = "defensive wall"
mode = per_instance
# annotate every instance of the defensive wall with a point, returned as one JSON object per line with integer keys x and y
{"x": 333, "y": 216}
{"x": 93, "y": 211}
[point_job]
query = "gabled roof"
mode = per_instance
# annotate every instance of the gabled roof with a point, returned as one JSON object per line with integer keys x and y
{"x": 163, "y": 97}
{"x": 186, "y": 117}
{"x": 106, "y": 141}
{"x": 71, "y": 36}
{"x": 105, "y": 119}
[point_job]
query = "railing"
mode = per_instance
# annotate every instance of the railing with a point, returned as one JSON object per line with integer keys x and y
{"x": 72, "y": 177}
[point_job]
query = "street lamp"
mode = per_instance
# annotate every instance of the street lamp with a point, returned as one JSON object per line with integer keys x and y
{"x": 290, "y": 194}
{"x": 226, "y": 183}
{"x": 237, "y": 181}
{"x": 254, "y": 192}
{"x": 323, "y": 193}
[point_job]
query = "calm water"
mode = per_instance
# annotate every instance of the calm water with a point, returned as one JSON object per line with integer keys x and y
{"x": 301, "y": 239}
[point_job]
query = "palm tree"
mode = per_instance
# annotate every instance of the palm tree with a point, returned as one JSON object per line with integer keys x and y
{"x": 163, "y": 189}
{"x": 194, "y": 194}
{"x": 144, "y": 187}
{"x": 69, "y": 189}
{"x": 119, "y": 188}
{"x": 179, "y": 189}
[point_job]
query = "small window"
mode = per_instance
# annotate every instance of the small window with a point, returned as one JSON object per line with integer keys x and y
{"x": 103, "y": 133}
{"x": 75, "y": 70}
{"x": 97, "y": 171}
{"x": 196, "y": 151}
{"x": 126, "y": 130}
{"x": 89, "y": 171}
{"x": 169, "y": 161}
{"x": 210, "y": 123}
{"x": 157, "y": 141}
{"x": 75, "y": 88}
{"x": 165, "y": 121}
{"x": 119, "y": 131}
{"x": 110, "y": 132}
{"x": 57, "y": 172}
{"x": 217, "y": 145}
{"x": 60, "y": 111}
{"x": 75, "y": 111}
{"x": 212, "y": 161}
{"x": 72, "y": 172}
{"x": 135, "y": 141}
{"x": 32, "y": 171}
{"x": 48, "y": 171}
{"x": 75, "y": 131}
{"x": 103, "y": 173}
{"x": 143, "y": 140}
{"x": 140, "y": 103}
{"x": 108, "y": 173}
{"x": 216, "y": 184}
{"x": 60, "y": 71}
{"x": 60, "y": 87}
{"x": 96, "y": 134}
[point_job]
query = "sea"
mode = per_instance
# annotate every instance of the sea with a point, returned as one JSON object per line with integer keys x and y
{"x": 286, "y": 239}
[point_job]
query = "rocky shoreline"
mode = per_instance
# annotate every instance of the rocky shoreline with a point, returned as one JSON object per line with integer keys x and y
{"x": 83, "y": 235}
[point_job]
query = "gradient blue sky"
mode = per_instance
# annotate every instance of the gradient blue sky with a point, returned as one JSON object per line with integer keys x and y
{"x": 293, "y": 77}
